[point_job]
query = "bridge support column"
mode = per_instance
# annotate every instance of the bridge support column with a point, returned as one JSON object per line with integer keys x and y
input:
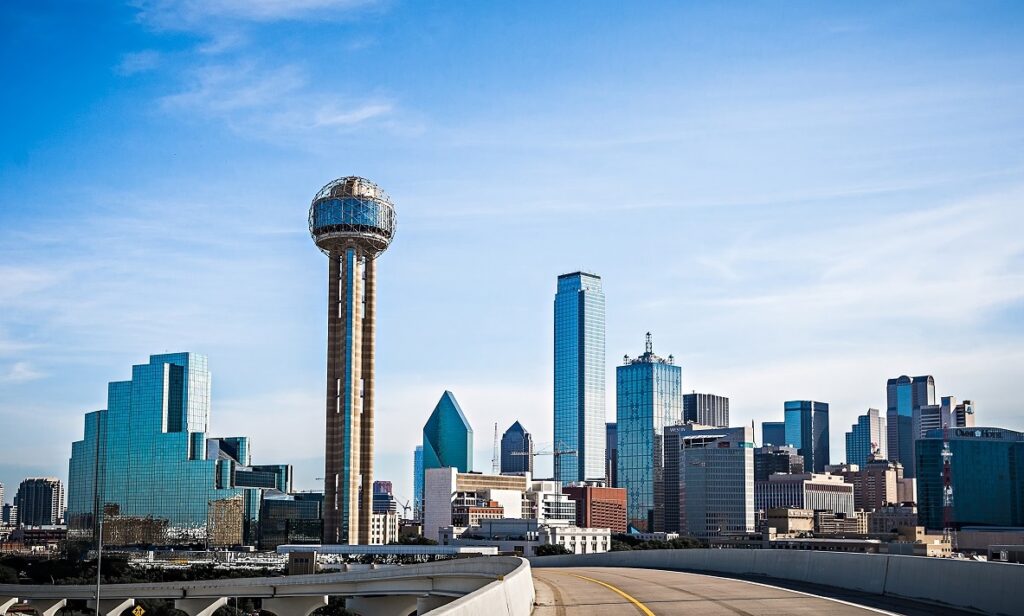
{"x": 47, "y": 607}
{"x": 294, "y": 606}
{"x": 199, "y": 607}
{"x": 111, "y": 607}
{"x": 431, "y": 602}
{"x": 395, "y": 605}
{"x": 6, "y": 602}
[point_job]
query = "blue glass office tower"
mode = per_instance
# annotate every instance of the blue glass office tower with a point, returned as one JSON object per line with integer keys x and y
{"x": 773, "y": 433}
{"x": 417, "y": 483}
{"x": 807, "y": 430}
{"x": 866, "y": 438}
{"x": 352, "y": 221}
{"x": 146, "y": 463}
{"x": 448, "y": 437}
{"x": 986, "y": 474}
{"x": 904, "y": 395}
{"x": 648, "y": 393}
{"x": 579, "y": 418}
{"x": 516, "y": 450}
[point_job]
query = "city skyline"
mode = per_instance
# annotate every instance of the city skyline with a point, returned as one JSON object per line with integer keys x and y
{"x": 185, "y": 153}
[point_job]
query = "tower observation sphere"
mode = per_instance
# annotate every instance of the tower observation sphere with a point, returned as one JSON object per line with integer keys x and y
{"x": 352, "y": 211}
{"x": 352, "y": 221}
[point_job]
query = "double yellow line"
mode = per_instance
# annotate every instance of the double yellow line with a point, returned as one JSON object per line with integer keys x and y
{"x": 628, "y": 597}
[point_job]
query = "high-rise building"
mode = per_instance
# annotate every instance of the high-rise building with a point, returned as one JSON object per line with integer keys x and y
{"x": 448, "y": 437}
{"x": 706, "y": 409}
{"x": 383, "y": 499}
{"x": 417, "y": 483}
{"x": 867, "y": 438}
{"x": 147, "y": 464}
{"x": 2, "y": 501}
{"x": 516, "y": 450}
{"x": 805, "y": 491}
{"x": 985, "y": 476}
{"x": 9, "y": 514}
{"x": 611, "y": 454}
{"x": 776, "y": 459}
{"x": 807, "y": 430}
{"x": 875, "y": 483}
{"x": 40, "y": 501}
{"x": 716, "y": 480}
{"x": 598, "y": 507}
{"x": 579, "y": 392}
{"x": 352, "y": 221}
{"x": 291, "y": 519}
{"x": 903, "y": 395}
{"x": 648, "y": 398}
{"x": 773, "y": 433}
{"x": 947, "y": 414}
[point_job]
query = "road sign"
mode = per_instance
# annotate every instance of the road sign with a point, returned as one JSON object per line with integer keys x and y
{"x": 138, "y": 611}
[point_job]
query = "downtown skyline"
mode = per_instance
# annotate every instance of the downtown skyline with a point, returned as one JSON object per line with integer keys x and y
{"x": 778, "y": 251}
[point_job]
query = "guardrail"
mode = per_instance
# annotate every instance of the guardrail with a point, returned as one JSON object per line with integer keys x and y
{"x": 992, "y": 588}
{"x": 497, "y": 586}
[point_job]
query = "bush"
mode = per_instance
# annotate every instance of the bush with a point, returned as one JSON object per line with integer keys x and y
{"x": 551, "y": 550}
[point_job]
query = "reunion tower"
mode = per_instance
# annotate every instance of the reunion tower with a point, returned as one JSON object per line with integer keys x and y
{"x": 352, "y": 221}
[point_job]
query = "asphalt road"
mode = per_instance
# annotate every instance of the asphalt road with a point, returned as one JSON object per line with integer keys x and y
{"x": 599, "y": 591}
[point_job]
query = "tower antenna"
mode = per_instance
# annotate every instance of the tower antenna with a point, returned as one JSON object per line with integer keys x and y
{"x": 495, "y": 459}
{"x": 649, "y": 347}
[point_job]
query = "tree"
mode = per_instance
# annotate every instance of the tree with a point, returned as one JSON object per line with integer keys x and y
{"x": 552, "y": 549}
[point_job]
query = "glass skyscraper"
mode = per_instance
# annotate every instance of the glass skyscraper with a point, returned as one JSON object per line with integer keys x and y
{"x": 986, "y": 475}
{"x": 706, "y": 409}
{"x": 807, "y": 430}
{"x": 516, "y": 450}
{"x": 147, "y": 464}
{"x": 648, "y": 397}
{"x": 417, "y": 483}
{"x": 773, "y": 433}
{"x": 579, "y": 396}
{"x": 448, "y": 437}
{"x": 903, "y": 395}
{"x": 866, "y": 438}
{"x": 611, "y": 454}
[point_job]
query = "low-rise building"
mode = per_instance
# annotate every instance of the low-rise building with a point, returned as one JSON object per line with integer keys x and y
{"x": 523, "y": 537}
{"x": 891, "y": 518}
{"x": 832, "y": 523}
{"x": 814, "y": 491}
{"x": 447, "y": 490}
{"x": 790, "y": 520}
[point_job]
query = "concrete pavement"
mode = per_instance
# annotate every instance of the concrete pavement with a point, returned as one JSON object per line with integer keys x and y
{"x": 611, "y": 591}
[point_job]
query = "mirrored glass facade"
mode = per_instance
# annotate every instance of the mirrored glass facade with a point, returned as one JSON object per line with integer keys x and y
{"x": 448, "y": 437}
{"x": 146, "y": 463}
{"x": 867, "y": 437}
{"x": 516, "y": 450}
{"x": 986, "y": 475}
{"x": 579, "y": 378}
{"x": 807, "y": 430}
{"x": 648, "y": 397}
{"x": 417, "y": 482}
{"x": 903, "y": 395}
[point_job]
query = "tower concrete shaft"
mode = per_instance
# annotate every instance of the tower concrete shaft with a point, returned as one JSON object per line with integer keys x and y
{"x": 348, "y": 478}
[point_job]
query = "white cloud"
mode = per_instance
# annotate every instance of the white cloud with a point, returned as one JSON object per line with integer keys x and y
{"x": 20, "y": 372}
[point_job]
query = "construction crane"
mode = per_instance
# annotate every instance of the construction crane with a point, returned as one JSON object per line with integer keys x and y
{"x": 555, "y": 452}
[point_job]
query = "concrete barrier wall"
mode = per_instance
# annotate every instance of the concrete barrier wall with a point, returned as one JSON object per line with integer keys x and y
{"x": 511, "y": 596}
{"x": 991, "y": 588}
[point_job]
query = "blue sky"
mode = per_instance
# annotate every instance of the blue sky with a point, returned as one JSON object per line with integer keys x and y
{"x": 799, "y": 200}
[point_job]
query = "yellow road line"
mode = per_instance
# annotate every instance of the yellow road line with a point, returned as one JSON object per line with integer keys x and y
{"x": 640, "y": 606}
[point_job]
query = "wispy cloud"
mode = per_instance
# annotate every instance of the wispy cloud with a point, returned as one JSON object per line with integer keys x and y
{"x": 138, "y": 62}
{"x": 20, "y": 372}
{"x": 278, "y": 102}
{"x": 196, "y": 14}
